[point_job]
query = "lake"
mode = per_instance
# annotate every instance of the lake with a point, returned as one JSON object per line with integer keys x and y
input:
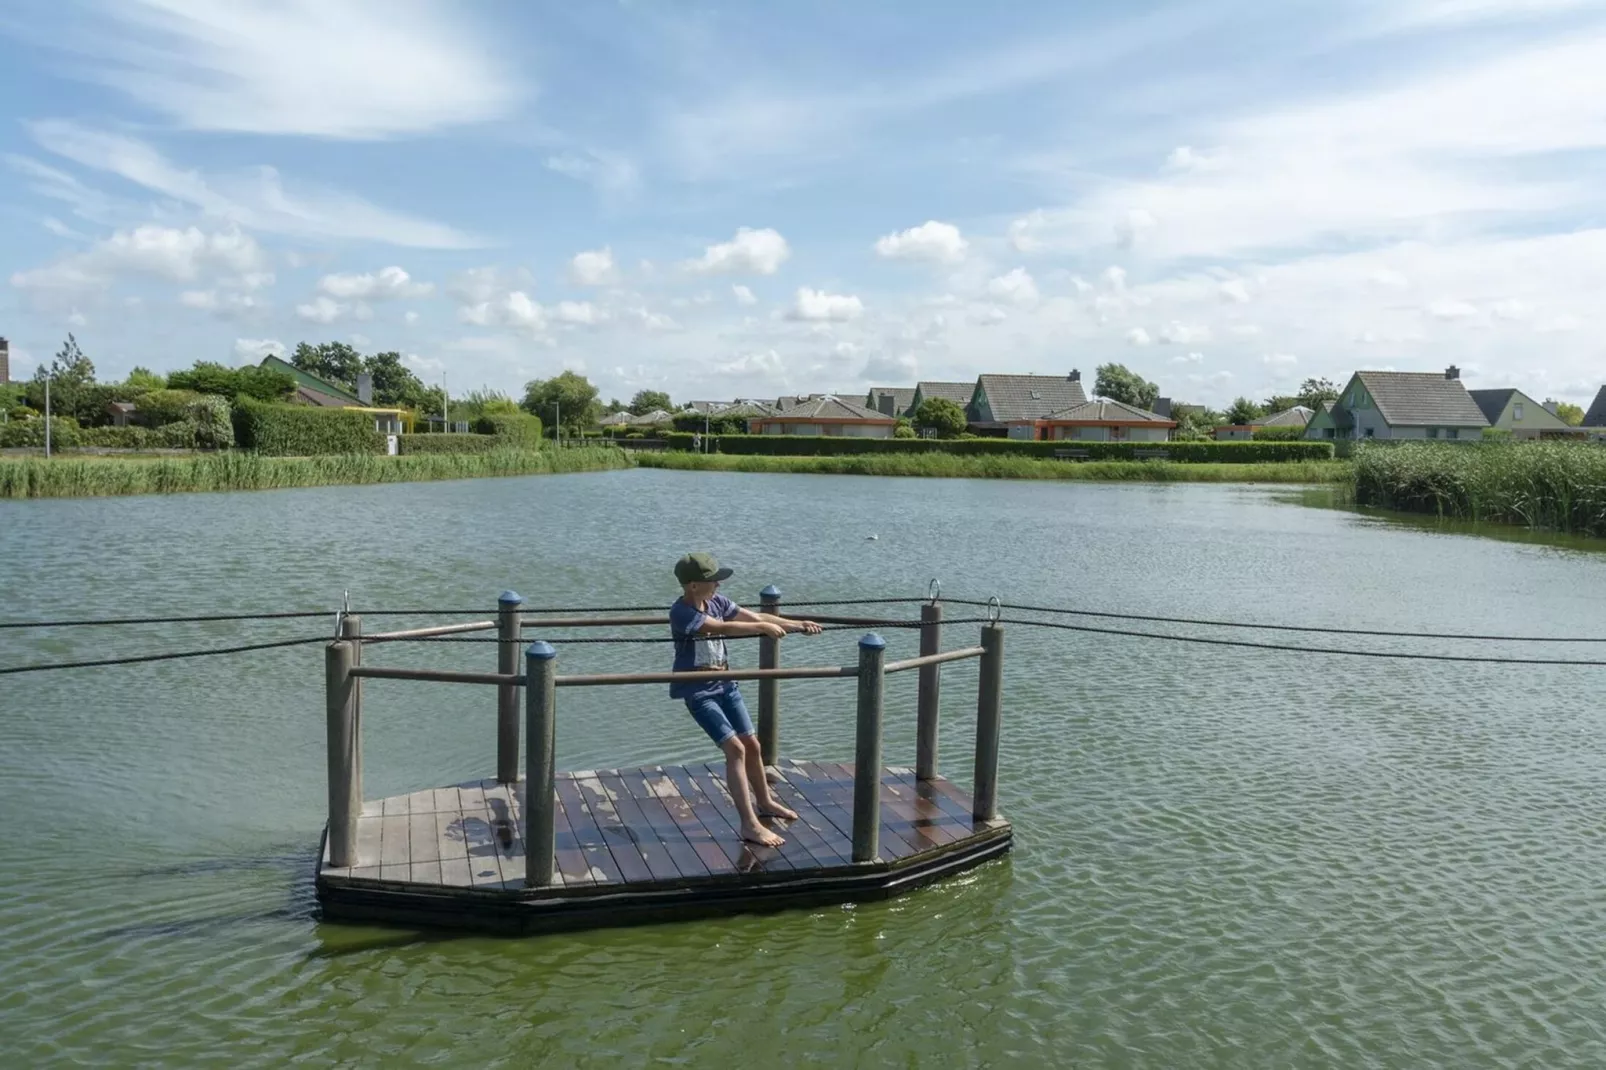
{"x": 1224, "y": 857}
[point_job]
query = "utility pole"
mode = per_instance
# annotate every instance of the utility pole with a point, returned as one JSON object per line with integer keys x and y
{"x": 47, "y": 416}
{"x": 446, "y": 406}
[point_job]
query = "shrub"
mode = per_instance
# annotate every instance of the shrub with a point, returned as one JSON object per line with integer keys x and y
{"x": 903, "y": 430}
{"x": 254, "y": 381}
{"x": 413, "y": 444}
{"x": 155, "y": 408}
{"x": 1292, "y": 433}
{"x": 514, "y": 429}
{"x": 303, "y": 430}
{"x": 212, "y": 423}
{"x": 64, "y": 431}
{"x": 119, "y": 438}
{"x": 691, "y": 422}
{"x": 941, "y": 416}
{"x": 831, "y": 445}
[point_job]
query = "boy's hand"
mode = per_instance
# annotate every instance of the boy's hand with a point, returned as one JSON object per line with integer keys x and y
{"x": 807, "y": 627}
{"x": 773, "y": 631}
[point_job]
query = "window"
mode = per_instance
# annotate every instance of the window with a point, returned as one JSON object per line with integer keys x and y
{"x": 1037, "y": 395}
{"x": 1449, "y": 432}
{"x": 1433, "y": 432}
{"x": 1368, "y": 432}
{"x": 1516, "y": 411}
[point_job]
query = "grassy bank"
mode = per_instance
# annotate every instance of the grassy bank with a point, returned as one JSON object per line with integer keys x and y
{"x": 1000, "y": 467}
{"x": 82, "y": 477}
{"x": 1558, "y": 486}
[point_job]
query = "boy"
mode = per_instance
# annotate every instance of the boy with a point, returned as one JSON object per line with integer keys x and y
{"x": 699, "y": 620}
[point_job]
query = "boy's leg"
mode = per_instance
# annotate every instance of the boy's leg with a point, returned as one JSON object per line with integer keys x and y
{"x": 764, "y": 799}
{"x": 710, "y": 714}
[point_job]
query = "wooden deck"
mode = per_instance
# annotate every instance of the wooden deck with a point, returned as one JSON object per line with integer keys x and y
{"x": 646, "y": 844}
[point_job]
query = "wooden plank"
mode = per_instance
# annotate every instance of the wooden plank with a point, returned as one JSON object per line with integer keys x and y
{"x": 368, "y": 830}
{"x": 568, "y": 858}
{"x": 601, "y": 867}
{"x": 686, "y": 820}
{"x": 663, "y": 824}
{"x": 471, "y": 795}
{"x": 942, "y": 810}
{"x": 813, "y": 829}
{"x": 421, "y": 835}
{"x": 706, "y": 814}
{"x": 395, "y": 856}
{"x": 446, "y": 800}
{"x": 653, "y": 852}
{"x": 451, "y": 844}
{"x": 632, "y": 866}
{"x": 953, "y": 798}
{"x": 426, "y": 872}
{"x": 893, "y": 848}
{"x": 835, "y": 820}
{"x": 921, "y": 823}
{"x": 396, "y": 804}
{"x": 711, "y": 779}
{"x": 794, "y": 850}
{"x": 484, "y": 860}
{"x": 421, "y": 802}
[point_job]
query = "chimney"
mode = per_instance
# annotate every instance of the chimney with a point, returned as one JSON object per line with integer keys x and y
{"x": 1452, "y": 372}
{"x": 1162, "y": 407}
{"x": 1075, "y": 376}
{"x": 365, "y": 388}
{"x": 883, "y": 404}
{"x": 1552, "y": 405}
{"x": 5, "y": 361}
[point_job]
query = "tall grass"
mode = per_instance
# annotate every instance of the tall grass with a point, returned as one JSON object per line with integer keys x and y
{"x": 81, "y": 477}
{"x": 993, "y": 466}
{"x": 1559, "y": 486}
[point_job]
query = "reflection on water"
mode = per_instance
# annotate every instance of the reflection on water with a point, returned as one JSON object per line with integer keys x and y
{"x": 1338, "y": 497}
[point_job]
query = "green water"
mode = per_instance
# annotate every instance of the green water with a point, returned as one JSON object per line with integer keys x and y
{"x": 1223, "y": 857}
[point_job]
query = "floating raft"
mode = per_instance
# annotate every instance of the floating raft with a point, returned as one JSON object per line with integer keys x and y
{"x": 646, "y": 844}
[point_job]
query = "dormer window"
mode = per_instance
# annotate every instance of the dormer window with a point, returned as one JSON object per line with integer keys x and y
{"x": 1037, "y": 395}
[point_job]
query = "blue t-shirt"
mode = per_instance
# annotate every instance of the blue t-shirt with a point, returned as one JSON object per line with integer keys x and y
{"x": 697, "y": 650}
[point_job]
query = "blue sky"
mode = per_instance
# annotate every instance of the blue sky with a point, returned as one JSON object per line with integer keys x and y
{"x": 752, "y": 199}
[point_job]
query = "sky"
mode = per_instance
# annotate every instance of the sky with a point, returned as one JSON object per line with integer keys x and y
{"x": 750, "y": 199}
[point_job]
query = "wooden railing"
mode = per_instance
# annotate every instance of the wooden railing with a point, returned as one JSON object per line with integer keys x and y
{"x": 539, "y": 682}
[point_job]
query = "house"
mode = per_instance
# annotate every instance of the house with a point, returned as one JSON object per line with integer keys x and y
{"x": 704, "y": 407}
{"x": 1403, "y": 405}
{"x": 651, "y": 419}
{"x": 1102, "y": 420}
{"x": 826, "y": 415}
{"x": 1321, "y": 425}
{"x": 121, "y": 412}
{"x": 891, "y": 400}
{"x": 1516, "y": 412}
{"x": 958, "y": 393}
{"x": 1596, "y": 416}
{"x": 1012, "y": 405}
{"x": 314, "y": 390}
{"x": 616, "y": 419}
{"x": 1298, "y": 416}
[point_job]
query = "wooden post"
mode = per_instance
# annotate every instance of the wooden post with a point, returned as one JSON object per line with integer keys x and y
{"x": 867, "y": 750}
{"x": 540, "y": 712}
{"x": 345, "y": 796}
{"x": 351, "y": 629}
{"x": 507, "y": 695}
{"x": 769, "y": 691}
{"x": 930, "y": 688}
{"x": 989, "y": 717}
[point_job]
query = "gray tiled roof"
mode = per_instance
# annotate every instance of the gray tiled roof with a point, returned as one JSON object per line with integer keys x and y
{"x": 1104, "y": 410}
{"x": 1491, "y": 402}
{"x": 1030, "y": 397}
{"x": 1596, "y": 416}
{"x": 958, "y": 393}
{"x": 831, "y": 407}
{"x": 747, "y": 409}
{"x": 1298, "y": 416}
{"x": 1422, "y": 399}
{"x": 902, "y": 398}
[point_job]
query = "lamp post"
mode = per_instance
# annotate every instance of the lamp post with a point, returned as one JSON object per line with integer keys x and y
{"x": 47, "y": 416}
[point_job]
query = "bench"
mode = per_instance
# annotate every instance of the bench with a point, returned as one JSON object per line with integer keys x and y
{"x": 1151, "y": 455}
{"x": 1071, "y": 455}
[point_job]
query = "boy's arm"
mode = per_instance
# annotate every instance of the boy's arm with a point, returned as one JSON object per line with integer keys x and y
{"x": 806, "y": 626}
{"x": 739, "y": 626}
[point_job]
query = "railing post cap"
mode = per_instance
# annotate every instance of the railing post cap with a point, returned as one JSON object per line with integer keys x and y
{"x": 510, "y": 596}
{"x": 541, "y": 649}
{"x": 771, "y": 591}
{"x": 872, "y": 641}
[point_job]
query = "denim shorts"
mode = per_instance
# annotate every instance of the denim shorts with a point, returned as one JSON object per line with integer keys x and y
{"x": 722, "y": 716}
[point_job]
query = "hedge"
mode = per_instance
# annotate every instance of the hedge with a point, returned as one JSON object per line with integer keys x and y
{"x": 454, "y": 443}
{"x": 304, "y": 430}
{"x": 693, "y": 423}
{"x": 831, "y": 445}
{"x": 64, "y": 431}
{"x": 515, "y": 429}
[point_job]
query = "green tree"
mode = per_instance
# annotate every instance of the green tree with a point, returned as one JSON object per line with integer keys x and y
{"x": 1195, "y": 423}
{"x": 647, "y": 401}
{"x": 567, "y": 397}
{"x": 903, "y": 429}
{"x": 614, "y": 406}
{"x": 484, "y": 402}
{"x": 394, "y": 383}
{"x": 1570, "y": 414}
{"x": 145, "y": 379}
{"x": 70, "y": 374}
{"x": 1312, "y": 392}
{"x": 334, "y": 361}
{"x": 1118, "y": 383}
{"x": 1242, "y": 411}
{"x": 1281, "y": 403}
{"x": 941, "y": 417}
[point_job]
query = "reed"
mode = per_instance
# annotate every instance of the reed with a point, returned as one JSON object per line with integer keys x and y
{"x": 1557, "y": 486}
{"x": 82, "y": 477}
{"x": 993, "y": 466}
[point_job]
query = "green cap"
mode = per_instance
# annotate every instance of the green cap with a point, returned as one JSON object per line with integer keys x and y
{"x": 700, "y": 568}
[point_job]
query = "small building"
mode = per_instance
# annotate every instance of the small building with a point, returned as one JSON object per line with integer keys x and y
{"x": 315, "y": 390}
{"x": 958, "y": 393}
{"x": 121, "y": 412}
{"x": 827, "y": 415}
{"x": 1103, "y": 420}
{"x": 890, "y": 400}
{"x": 1596, "y": 416}
{"x": 650, "y": 419}
{"x": 1298, "y": 416}
{"x": 1515, "y": 412}
{"x": 1404, "y": 405}
{"x": 615, "y": 419}
{"x": 1321, "y": 424}
{"x": 1013, "y": 405}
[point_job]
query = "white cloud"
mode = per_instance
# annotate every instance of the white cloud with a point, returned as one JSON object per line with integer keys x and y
{"x": 932, "y": 241}
{"x": 321, "y": 310}
{"x": 744, "y": 296}
{"x": 757, "y": 252}
{"x": 363, "y": 68}
{"x": 1081, "y": 285}
{"x": 387, "y": 283}
{"x": 1511, "y": 310}
{"x": 763, "y": 363}
{"x": 252, "y": 350}
{"x": 1137, "y": 336}
{"x": 1022, "y": 233}
{"x": 819, "y": 306}
{"x": 988, "y": 316}
{"x": 594, "y": 267}
{"x": 1016, "y": 287}
{"x": 1279, "y": 360}
{"x": 1245, "y": 330}
{"x": 890, "y": 367}
{"x": 1451, "y": 310}
{"x": 1186, "y": 158}
{"x": 223, "y": 304}
{"x": 257, "y": 199}
{"x": 1133, "y": 226}
{"x": 1389, "y": 278}
{"x": 1182, "y": 334}
{"x": 514, "y": 310}
{"x": 652, "y": 321}
{"x": 179, "y": 255}
{"x": 1562, "y": 324}
{"x": 579, "y": 312}
{"x": 1115, "y": 278}
{"x": 607, "y": 172}
{"x": 410, "y": 317}
{"x": 1235, "y": 291}
{"x": 1188, "y": 358}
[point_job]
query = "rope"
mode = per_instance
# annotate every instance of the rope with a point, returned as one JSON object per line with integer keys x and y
{"x": 571, "y": 640}
{"x": 138, "y": 658}
{"x": 1281, "y": 627}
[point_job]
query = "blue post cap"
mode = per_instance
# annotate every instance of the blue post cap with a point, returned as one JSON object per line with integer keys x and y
{"x": 872, "y": 641}
{"x": 542, "y": 650}
{"x": 510, "y": 596}
{"x": 771, "y": 591}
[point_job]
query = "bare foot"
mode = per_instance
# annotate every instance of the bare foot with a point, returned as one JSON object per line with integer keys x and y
{"x": 776, "y": 808}
{"x": 762, "y": 836}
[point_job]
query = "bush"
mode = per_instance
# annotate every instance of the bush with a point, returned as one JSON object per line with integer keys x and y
{"x": 692, "y": 423}
{"x": 411, "y": 444}
{"x": 304, "y": 430}
{"x": 903, "y": 430}
{"x": 155, "y": 408}
{"x": 86, "y": 403}
{"x": 64, "y": 431}
{"x": 1292, "y": 433}
{"x": 831, "y": 445}
{"x": 254, "y": 381}
{"x": 212, "y": 423}
{"x": 119, "y": 438}
{"x": 514, "y": 429}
